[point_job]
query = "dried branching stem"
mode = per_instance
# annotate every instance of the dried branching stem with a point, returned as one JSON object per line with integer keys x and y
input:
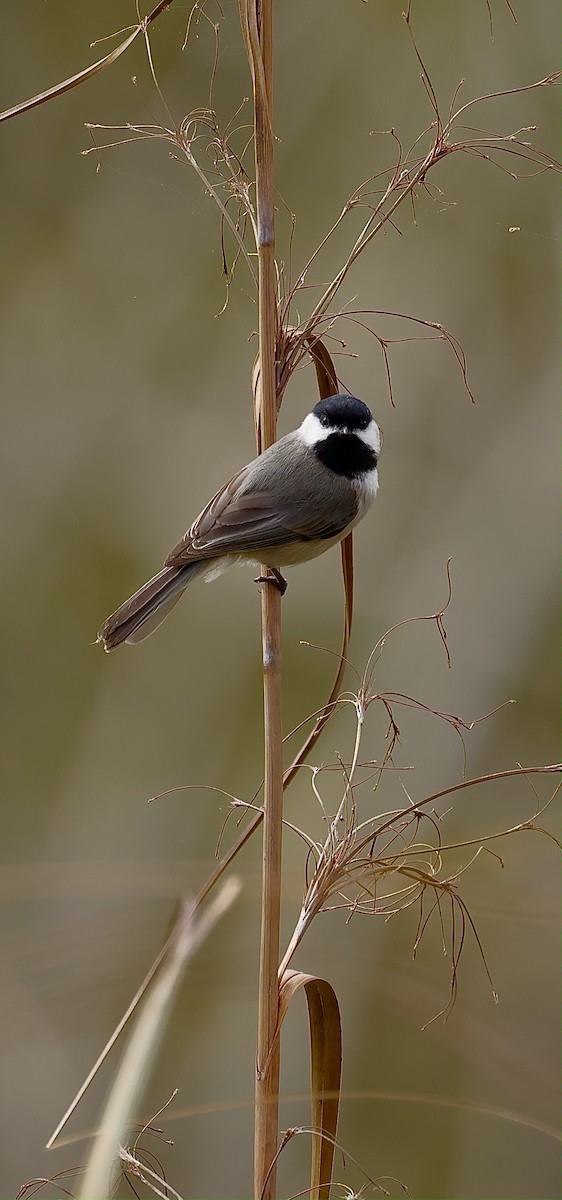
{"x": 352, "y": 869}
{"x": 91, "y": 71}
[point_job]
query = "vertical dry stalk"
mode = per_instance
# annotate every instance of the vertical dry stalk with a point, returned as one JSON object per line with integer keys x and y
{"x": 257, "y": 22}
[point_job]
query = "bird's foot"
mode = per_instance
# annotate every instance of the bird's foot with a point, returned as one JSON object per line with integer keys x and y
{"x": 274, "y": 577}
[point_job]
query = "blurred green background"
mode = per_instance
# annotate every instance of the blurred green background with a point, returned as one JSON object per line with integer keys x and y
{"x": 126, "y": 402}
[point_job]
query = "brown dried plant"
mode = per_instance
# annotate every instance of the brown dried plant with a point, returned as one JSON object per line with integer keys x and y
{"x": 377, "y": 865}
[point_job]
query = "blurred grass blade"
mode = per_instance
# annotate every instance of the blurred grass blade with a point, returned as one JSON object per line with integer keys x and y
{"x": 325, "y": 1069}
{"x": 133, "y": 1072}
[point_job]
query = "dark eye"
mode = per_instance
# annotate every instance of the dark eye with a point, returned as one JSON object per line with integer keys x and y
{"x": 324, "y": 420}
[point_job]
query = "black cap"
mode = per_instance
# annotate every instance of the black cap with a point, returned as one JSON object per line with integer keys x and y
{"x": 343, "y": 409}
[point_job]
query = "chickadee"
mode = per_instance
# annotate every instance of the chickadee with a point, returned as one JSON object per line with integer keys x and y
{"x": 290, "y": 504}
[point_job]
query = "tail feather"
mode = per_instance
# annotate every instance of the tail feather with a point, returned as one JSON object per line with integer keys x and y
{"x": 150, "y": 623}
{"x": 142, "y": 613}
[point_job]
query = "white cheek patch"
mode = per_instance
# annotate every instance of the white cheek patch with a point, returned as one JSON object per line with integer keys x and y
{"x": 371, "y": 437}
{"x": 311, "y": 431}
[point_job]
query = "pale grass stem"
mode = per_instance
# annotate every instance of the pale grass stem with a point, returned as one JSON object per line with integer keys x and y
{"x": 131, "y": 1076}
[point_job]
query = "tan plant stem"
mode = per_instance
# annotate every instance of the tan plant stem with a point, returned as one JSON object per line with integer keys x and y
{"x": 267, "y": 1056}
{"x": 257, "y": 24}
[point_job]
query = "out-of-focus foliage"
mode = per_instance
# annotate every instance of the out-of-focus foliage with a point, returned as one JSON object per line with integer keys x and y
{"x": 126, "y": 402}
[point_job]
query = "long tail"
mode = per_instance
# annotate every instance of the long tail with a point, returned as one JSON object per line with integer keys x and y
{"x": 143, "y": 613}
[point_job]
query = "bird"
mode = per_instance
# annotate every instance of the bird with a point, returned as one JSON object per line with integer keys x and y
{"x": 290, "y": 504}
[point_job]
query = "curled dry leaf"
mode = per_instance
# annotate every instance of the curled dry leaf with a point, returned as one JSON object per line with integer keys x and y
{"x": 325, "y": 1068}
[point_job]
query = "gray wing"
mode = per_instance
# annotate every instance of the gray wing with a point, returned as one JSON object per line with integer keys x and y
{"x": 297, "y": 504}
